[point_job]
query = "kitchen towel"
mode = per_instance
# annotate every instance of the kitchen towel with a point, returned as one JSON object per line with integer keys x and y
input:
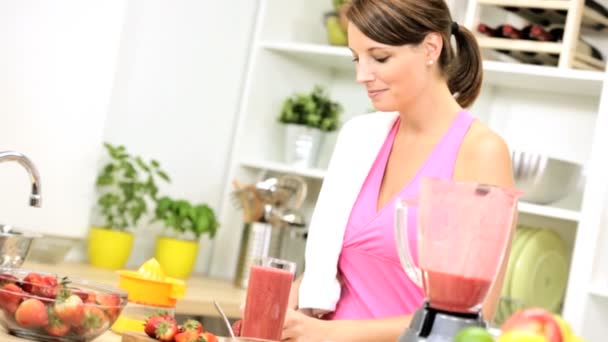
{"x": 358, "y": 143}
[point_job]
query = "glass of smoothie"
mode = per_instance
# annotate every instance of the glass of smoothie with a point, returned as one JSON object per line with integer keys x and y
{"x": 267, "y": 297}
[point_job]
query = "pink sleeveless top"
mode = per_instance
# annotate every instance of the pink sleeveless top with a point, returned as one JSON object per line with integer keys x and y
{"x": 374, "y": 285}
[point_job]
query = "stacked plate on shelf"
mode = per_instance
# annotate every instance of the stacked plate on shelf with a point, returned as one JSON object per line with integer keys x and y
{"x": 537, "y": 272}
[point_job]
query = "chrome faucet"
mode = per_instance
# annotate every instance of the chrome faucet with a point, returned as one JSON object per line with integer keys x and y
{"x": 35, "y": 197}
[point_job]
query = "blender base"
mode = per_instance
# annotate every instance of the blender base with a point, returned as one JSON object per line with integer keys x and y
{"x": 433, "y": 325}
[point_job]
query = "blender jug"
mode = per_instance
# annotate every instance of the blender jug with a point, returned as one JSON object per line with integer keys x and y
{"x": 463, "y": 230}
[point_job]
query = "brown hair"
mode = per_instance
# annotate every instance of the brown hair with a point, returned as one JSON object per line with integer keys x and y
{"x": 401, "y": 22}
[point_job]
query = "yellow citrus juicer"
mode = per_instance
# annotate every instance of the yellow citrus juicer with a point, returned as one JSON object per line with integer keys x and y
{"x": 149, "y": 292}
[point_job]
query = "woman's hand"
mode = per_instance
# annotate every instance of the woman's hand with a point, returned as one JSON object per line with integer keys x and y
{"x": 301, "y": 328}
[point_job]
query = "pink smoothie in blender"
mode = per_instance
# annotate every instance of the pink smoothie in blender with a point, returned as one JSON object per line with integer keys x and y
{"x": 267, "y": 297}
{"x": 463, "y": 230}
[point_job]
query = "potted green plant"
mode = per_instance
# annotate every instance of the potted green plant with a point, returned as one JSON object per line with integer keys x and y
{"x": 308, "y": 116}
{"x": 185, "y": 223}
{"x": 127, "y": 187}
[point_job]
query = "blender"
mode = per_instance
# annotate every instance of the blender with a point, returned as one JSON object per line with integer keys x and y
{"x": 462, "y": 233}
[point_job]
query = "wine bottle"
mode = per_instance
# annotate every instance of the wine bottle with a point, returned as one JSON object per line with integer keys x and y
{"x": 497, "y": 32}
{"x": 490, "y": 31}
{"x": 509, "y": 31}
{"x": 556, "y": 34}
{"x": 539, "y": 33}
{"x": 536, "y": 32}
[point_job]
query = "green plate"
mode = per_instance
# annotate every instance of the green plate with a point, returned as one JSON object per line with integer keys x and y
{"x": 521, "y": 236}
{"x": 541, "y": 271}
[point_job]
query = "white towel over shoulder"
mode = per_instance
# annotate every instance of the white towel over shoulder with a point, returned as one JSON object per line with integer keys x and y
{"x": 357, "y": 146}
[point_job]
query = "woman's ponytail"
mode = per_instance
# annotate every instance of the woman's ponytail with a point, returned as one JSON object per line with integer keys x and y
{"x": 465, "y": 70}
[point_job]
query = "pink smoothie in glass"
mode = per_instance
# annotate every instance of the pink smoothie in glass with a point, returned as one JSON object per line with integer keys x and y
{"x": 267, "y": 298}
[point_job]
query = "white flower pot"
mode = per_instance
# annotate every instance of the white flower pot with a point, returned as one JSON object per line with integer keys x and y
{"x": 302, "y": 145}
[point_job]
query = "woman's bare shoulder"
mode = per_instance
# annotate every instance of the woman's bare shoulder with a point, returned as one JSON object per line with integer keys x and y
{"x": 484, "y": 157}
{"x": 481, "y": 141}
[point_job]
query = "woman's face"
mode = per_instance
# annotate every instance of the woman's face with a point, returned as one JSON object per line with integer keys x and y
{"x": 392, "y": 75}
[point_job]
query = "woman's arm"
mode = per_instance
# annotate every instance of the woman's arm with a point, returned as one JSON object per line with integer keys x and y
{"x": 484, "y": 158}
{"x": 299, "y": 327}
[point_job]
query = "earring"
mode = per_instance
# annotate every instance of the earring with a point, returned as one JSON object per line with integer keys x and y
{"x": 430, "y": 62}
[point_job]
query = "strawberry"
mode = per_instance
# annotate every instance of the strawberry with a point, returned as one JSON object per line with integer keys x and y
{"x": 81, "y": 293}
{"x": 32, "y": 313}
{"x": 56, "y": 326}
{"x": 151, "y": 324}
{"x": 48, "y": 287}
{"x": 44, "y": 286}
{"x": 6, "y": 278}
{"x": 10, "y": 297}
{"x": 166, "y": 329}
{"x": 208, "y": 337}
{"x": 68, "y": 307}
{"x": 31, "y": 281}
{"x": 187, "y": 336}
{"x": 70, "y": 310}
{"x": 91, "y": 298}
{"x": 161, "y": 326}
{"x": 110, "y": 303}
{"x": 192, "y": 325}
{"x": 94, "y": 321}
{"x": 153, "y": 321}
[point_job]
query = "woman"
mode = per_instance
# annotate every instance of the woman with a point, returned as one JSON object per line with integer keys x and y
{"x": 406, "y": 60}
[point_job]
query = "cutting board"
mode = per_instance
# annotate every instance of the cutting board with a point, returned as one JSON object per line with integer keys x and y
{"x": 129, "y": 336}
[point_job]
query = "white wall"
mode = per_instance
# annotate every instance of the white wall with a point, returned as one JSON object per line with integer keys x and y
{"x": 57, "y": 66}
{"x": 177, "y": 88}
{"x": 161, "y": 77}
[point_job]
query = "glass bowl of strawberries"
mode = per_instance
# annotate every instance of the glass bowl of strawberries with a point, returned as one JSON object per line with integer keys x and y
{"x": 47, "y": 307}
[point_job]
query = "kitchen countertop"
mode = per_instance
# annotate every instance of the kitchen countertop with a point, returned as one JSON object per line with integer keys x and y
{"x": 107, "y": 337}
{"x": 198, "y": 301}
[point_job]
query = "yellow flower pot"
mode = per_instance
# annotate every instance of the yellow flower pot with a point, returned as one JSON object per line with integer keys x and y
{"x": 177, "y": 257}
{"x": 109, "y": 248}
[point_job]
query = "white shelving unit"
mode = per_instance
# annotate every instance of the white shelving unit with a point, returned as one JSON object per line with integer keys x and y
{"x": 550, "y": 110}
{"x": 279, "y": 167}
{"x": 568, "y": 81}
{"x": 549, "y": 212}
{"x": 599, "y": 291}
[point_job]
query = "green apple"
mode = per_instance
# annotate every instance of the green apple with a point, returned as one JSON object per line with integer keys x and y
{"x": 473, "y": 334}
